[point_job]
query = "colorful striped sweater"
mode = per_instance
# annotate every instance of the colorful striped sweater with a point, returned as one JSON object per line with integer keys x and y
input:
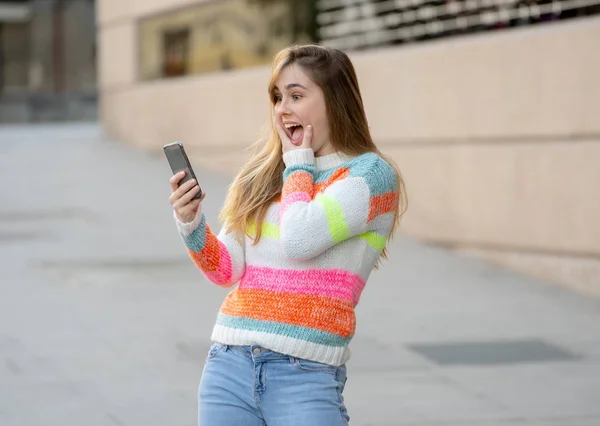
{"x": 299, "y": 285}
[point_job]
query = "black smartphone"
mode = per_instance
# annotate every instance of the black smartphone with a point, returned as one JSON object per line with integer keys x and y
{"x": 178, "y": 160}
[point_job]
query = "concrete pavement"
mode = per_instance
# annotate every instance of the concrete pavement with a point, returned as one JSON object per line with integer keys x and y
{"x": 105, "y": 321}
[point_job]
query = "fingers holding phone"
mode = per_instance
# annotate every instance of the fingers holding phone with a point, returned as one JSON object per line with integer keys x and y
{"x": 183, "y": 197}
{"x": 186, "y": 194}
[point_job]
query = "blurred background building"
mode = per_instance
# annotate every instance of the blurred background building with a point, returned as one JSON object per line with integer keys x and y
{"x": 47, "y": 60}
{"x": 490, "y": 107}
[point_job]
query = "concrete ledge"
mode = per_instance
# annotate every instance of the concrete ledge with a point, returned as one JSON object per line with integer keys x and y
{"x": 581, "y": 274}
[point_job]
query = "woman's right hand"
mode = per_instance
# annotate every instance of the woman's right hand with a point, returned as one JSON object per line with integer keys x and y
{"x": 181, "y": 198}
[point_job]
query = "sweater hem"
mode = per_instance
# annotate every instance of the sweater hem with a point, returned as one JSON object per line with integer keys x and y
{"x": 330, "y": 355}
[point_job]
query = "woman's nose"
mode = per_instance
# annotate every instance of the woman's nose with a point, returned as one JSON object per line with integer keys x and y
{"x": 282, "y": 108}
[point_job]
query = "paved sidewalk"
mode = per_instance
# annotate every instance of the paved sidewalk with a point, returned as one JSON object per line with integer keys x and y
{"x": 104, "y": 321}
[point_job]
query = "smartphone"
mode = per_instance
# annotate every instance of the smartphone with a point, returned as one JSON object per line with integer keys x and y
{"x": 178, "y": 160}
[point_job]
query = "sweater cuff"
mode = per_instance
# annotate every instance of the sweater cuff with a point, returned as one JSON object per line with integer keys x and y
{"x": 299, "y": 156}
{"x": 186, "y": 228}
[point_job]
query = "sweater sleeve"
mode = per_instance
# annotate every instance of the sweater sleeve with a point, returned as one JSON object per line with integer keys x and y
{"x": 221, "y": 258}
{"x": 362, "y": 204}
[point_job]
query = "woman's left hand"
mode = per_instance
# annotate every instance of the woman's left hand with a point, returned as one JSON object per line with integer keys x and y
{"x": 286, "y": 142}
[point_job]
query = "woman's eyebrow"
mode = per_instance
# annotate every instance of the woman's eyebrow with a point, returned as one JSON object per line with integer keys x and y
{"x": 290, "y": 86}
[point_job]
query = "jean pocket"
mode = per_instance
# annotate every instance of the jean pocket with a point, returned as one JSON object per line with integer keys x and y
{"x": 307, "y": 365}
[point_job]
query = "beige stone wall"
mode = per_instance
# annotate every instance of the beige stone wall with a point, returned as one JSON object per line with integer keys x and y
{"x": 497, "y": 134}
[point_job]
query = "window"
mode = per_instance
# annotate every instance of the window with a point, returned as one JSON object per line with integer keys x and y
{"x": 215, "y": 36}
{"x": 175, "y": 53}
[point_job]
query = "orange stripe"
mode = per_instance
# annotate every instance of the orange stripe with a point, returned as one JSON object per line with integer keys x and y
{"x": 337, "y": 175}
{"x": 300, "y": 181}
{"x": 384, "y": 203}
{"x": 210, "y": 256}
{"x": 322, "y": 313}
{"x": 321, "y": 186}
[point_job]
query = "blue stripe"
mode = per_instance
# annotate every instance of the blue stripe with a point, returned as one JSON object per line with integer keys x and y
{"x": 378, "y": 174}
{"x": 296, "y": 168}
{"x": 197, "y": 239}
{"x": 293, "y": 331}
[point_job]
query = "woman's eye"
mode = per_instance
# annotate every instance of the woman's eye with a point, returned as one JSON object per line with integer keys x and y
{"x": 296, "y": 97}
{"x": 276, "y": 98}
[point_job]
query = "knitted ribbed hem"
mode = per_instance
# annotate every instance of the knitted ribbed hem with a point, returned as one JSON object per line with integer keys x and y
{"x": 186, "y": 229}
{"x": 286, "y": 345}
{"x": 330, "y": 161}
{"x": 299, "y": 156}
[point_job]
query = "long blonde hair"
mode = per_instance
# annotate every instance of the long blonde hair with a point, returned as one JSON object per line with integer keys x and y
{"x": 260, "y": 180}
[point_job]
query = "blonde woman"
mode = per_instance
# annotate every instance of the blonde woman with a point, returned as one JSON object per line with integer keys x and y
{"x": 305, "y": 222}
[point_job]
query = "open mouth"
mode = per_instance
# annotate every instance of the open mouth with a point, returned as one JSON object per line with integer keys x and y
{"x": 295, "y": 132}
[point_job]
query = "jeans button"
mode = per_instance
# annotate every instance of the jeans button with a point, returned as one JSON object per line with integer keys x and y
{"x": 256, "y": 351}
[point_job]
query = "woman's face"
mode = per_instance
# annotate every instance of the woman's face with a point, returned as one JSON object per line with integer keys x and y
{"x": 298, "y": 102}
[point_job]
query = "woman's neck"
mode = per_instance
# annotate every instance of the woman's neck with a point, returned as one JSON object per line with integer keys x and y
{"x": 326, "y": 149}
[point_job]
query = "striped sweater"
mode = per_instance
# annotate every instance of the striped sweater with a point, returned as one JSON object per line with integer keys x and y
{"x": 299, "y": 285}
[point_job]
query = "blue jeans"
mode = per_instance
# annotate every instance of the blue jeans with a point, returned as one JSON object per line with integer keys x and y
{"x": 253, "y": 386}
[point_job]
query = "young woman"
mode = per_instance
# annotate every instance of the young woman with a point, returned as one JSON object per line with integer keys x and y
{"x": 305, "y": 222}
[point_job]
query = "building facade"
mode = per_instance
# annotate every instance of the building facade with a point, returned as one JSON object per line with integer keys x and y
{"x": 489, "y": 107}
{"x": 47, "y": 60}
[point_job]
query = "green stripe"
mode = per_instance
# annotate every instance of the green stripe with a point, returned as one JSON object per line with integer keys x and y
{"x": 335, "y": 217}
{"x": 376, "y": 240}
{"x": 269, "y": 230}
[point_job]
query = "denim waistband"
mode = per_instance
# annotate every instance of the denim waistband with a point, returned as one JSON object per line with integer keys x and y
{"x": 257, "y": 352}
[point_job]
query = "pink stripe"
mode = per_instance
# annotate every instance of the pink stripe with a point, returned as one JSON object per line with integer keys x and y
{"x": 292, "y": 198}
{"x": 224, "y": 270}
{"x": 358, "y": 288}
{"x": 335, "y": 283}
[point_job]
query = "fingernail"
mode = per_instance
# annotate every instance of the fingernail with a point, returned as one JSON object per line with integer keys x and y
{"x": 309, "y": 127}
